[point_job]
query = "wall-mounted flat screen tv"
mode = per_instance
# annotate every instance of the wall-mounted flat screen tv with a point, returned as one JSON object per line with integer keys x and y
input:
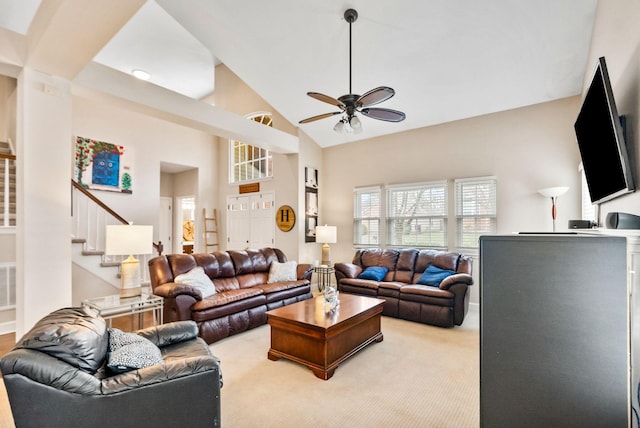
{"x": 601, "y": 140}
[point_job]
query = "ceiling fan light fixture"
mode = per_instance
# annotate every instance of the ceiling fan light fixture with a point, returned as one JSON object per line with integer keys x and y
{"x": 348, "y": 125}
{"x": 355, "y": 123}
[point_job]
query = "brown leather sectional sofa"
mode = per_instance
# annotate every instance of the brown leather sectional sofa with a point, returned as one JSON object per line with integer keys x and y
{"x": 444, "y": 305}
{"x": 242, "y": 292}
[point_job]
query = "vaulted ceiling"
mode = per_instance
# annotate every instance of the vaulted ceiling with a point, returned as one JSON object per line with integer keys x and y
{"x": 446, "y": 60}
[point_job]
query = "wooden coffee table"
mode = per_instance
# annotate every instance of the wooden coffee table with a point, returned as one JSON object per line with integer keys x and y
{"x": 303, "y": 332}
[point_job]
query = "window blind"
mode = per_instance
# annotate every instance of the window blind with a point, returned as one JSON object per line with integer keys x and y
{"x": 588, "y": 209}
{"x": 366, "y": 216}
{"x": 417, "y": 215}
{"x": 475, "y": 210}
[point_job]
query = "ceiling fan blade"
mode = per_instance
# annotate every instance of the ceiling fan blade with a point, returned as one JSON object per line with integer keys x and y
{"x": 375, "y": 96}
{"x": 325, "y": 98}
{"x": 318, "y": 117}
{"x": 385, "y": 114}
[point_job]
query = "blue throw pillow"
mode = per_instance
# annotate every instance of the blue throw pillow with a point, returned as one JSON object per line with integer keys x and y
{"x": 375, "y": 273}
{"x": 434, "y": 276}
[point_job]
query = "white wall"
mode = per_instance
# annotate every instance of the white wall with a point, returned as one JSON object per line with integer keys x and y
{"x": 166, "y": 184}
{"x": 616, "y": 36}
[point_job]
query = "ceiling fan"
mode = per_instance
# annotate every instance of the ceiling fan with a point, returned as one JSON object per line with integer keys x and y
{"x": 350, "y": 104}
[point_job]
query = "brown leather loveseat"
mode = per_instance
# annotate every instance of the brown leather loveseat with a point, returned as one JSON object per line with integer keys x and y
{"x": 404, "y": 285}
{"x": 241, "y": 286}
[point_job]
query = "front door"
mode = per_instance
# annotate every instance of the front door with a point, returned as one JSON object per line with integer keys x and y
{"x": 250, "y": 221}
{"x": 262, "y": 221}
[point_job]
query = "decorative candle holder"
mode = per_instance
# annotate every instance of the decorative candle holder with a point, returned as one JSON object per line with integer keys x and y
{"x": 331, "y": 300}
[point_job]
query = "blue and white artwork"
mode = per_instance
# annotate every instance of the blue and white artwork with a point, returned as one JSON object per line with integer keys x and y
{"x": 100, "y": 165}
{"x": 106, "y": 169}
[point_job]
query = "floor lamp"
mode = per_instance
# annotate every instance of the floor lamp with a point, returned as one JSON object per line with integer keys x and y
{"x": 553, "y": 193}
{"x": 327, "y": 235}
{"x": 122, "y": 240}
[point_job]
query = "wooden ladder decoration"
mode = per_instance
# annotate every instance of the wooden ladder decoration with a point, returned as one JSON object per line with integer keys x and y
{"x": 210, "y": 231}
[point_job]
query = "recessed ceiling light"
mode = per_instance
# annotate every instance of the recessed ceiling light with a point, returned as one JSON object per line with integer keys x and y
{"x": 141, "y": 74}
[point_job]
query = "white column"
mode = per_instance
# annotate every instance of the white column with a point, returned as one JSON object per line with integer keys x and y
{"x": 44, "y": 155}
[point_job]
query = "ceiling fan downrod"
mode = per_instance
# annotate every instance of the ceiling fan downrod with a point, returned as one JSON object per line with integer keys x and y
{"x": 350, "y": 15}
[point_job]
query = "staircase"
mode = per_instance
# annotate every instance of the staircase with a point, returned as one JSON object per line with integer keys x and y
{"x": 7, "y": 221}
{"x": 94, "y": 262}
{"x": 105, "y": 268}
{"x": 90, "y": 219}
{"x": 7, "y": 185}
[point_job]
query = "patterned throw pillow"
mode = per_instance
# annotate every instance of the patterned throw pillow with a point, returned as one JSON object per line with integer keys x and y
{"x": 196, "y": 278}
{"x": 128, "y": 351}
{"x": 280, "y": 272}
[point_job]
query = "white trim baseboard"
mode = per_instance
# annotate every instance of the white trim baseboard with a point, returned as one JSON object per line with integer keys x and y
{"x": 8, "y": 327}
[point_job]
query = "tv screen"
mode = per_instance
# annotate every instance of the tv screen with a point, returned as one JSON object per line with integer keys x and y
{"x": 600, "y": 135}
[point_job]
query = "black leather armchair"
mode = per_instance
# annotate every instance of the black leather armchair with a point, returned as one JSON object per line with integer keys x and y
{"x": 57, "y": 376}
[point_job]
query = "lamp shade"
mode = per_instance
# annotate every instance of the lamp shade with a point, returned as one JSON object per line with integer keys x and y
{"x": 128, "y": 239}
{"x": 553, "y": 192}
{"x": 326, "y": 234}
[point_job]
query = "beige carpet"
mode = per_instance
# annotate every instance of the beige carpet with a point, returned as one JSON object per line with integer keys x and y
{"x": 419, "y": 376}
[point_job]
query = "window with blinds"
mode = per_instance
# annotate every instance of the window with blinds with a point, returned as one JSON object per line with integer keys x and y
{"x": 588, "y": 209}
{"x": 475, "y": 210}
{"x": 366, "y": 216}
{"x": 247, "y": 162}
{"x": 417, "y": 215}
{"x": 7, "y": 286}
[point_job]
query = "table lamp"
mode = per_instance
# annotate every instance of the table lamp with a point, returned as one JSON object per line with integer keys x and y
{"x": 122, "y": 240}
{"x": 327, "y": 235}
{"x": 553, "y": 193}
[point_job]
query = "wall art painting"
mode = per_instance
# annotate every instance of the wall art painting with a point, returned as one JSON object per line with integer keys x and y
{"x": 102, "y": 166}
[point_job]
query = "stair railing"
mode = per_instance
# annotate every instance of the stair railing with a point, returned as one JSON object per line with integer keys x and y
{"x": 8, "y": 220}
{"x": 8, "y": 212}
{"x": 90, "y": 218}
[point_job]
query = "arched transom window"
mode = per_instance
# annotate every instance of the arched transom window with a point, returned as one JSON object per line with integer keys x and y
{"x": 247, "y": 162}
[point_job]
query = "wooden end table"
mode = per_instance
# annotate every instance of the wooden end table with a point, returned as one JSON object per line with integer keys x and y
{"x": 303, "y": 332}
